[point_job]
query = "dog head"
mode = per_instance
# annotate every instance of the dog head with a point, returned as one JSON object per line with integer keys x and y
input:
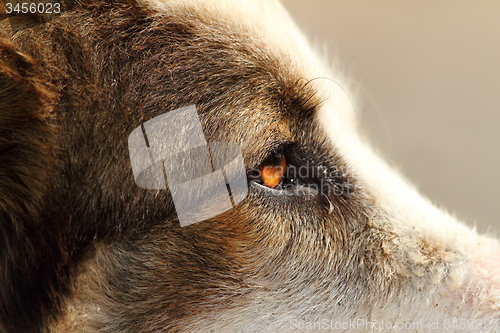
{"x": 326, "y": 233}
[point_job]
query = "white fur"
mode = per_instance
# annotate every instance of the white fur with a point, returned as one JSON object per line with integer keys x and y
{"x": 466, "y": 281}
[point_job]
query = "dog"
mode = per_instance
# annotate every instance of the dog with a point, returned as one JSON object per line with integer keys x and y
{"x": 325, "y": 236}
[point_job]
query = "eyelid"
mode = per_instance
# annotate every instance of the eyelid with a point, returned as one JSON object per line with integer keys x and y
{"x": 272, "y": 148}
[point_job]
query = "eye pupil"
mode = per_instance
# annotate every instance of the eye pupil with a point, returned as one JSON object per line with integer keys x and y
{"x": 272, "y": 173}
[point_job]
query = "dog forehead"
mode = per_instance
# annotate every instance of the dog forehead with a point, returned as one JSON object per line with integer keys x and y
{"x": 268, "y": 26}
{"x": 265, "y": 20}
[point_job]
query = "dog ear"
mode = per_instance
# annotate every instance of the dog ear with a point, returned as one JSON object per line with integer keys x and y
{"x": 26, "y": 160}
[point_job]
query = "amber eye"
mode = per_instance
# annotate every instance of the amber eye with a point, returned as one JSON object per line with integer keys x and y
{"x": 272, "y": 173}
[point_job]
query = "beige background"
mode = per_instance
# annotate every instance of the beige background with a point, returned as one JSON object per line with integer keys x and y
{"x": 429, "y": 80}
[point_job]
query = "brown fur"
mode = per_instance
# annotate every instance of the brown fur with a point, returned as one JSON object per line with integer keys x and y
{"x": 76, "y": 230}
{"x": 28, "y": 244}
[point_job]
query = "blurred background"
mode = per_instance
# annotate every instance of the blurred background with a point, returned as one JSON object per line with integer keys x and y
{"x": 428, "y": 74}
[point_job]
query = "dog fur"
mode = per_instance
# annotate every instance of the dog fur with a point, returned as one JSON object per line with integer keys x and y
{"x": 84, "y": 249}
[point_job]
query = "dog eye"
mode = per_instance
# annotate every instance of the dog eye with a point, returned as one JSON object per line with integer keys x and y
{"x": 273, "y": 172}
